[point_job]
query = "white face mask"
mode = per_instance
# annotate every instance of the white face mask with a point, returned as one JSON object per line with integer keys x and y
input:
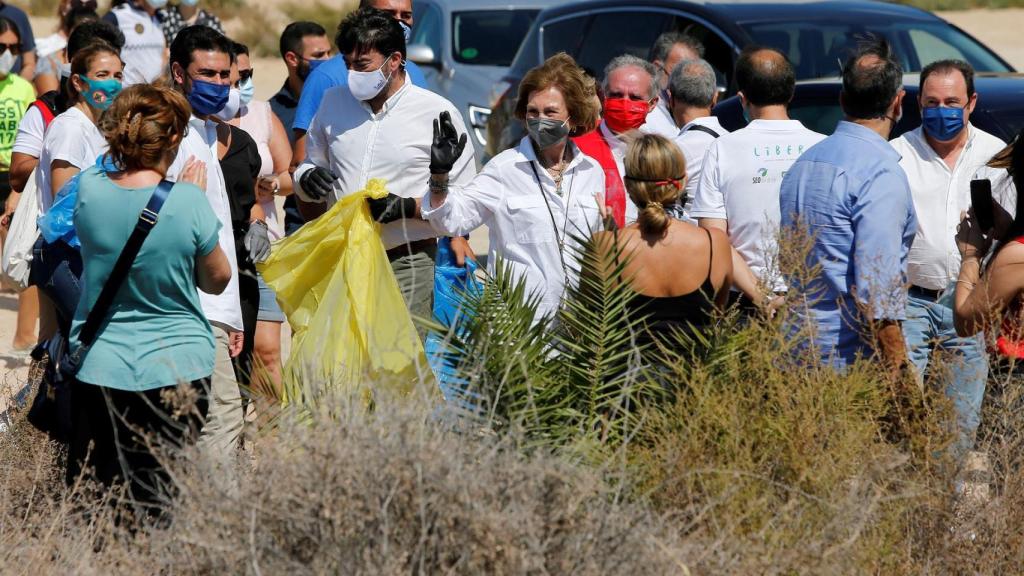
{"x": 65, "y": 70}
{"x": 367, "y": 85}
{"x": 6, "y": 62}
{"x": 230, "y": 110}
{"x": 156, "y": 4}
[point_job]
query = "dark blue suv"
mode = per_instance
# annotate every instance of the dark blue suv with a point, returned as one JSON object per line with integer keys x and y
{"x": 815, "y": 36}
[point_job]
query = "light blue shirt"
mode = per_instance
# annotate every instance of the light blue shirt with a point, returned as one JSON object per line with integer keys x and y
{"x": 333, "y": 73}
{"x": 854, "y": 199}
{"x": 155, "y": 334}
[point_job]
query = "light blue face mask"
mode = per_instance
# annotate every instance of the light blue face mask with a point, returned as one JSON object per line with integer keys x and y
{"x": 190, "y": 2}
{"x": 246, "y": 91}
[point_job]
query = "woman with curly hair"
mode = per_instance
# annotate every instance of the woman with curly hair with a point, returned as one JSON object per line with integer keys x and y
{"x": 155, "y": 336}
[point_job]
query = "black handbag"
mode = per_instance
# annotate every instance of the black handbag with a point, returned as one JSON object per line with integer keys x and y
{"x": 51, "y": 408}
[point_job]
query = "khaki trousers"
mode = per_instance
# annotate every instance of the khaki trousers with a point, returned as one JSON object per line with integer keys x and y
{"x": 223, "y": 429}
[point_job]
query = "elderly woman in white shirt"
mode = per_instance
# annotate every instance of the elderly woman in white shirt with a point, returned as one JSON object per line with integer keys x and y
{"x": 534, "y": 198}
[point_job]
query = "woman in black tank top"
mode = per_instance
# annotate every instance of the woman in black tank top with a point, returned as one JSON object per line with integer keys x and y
{"x": 680, "y": 274}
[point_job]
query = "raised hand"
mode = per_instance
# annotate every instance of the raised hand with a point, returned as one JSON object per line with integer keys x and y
{"x": 447, "y": 145}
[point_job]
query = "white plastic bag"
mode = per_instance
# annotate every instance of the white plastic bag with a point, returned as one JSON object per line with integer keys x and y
{"x": 17, "y": 255}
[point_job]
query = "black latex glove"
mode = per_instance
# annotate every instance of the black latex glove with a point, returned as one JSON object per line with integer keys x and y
{"x": 391, "y": 208}
{"x": 257, "y": 241}
{"x": 317, "y": 183}
{"x": 447, "y": 145}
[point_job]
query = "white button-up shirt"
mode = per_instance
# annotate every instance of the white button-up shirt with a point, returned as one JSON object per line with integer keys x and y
{"x": 694, "y": 144}
{"x": 347, "y": 138}
{"x": 530, "y": 226}
{"x": 660, "y": 121}
{"x": 619, "y": 147}
{"x": 940, "y": 195}
{"x": 224, "y": 309}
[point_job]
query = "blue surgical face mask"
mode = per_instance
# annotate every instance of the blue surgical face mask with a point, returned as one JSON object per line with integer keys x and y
{"x": 942, "y": 122}
{"x": 246, "y": 91}
{"x": 406, "y": 30}
{"x": 189, "y": 2}
{"x": 100, "y": 94}
{"x": 207, "y": 98}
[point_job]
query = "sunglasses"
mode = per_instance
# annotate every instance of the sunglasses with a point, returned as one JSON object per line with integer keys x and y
{"x": 244, "y": 75}
{"x": 14, "y": 48}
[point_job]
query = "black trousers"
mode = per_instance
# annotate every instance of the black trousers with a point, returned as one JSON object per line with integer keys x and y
{"x": 112, "y": 432}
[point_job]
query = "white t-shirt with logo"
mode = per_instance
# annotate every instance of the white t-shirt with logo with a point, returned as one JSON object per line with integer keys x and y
{"x": 144, "y": 45}
{"x": 73, "y": 138}
{"x": 740, "y": 182}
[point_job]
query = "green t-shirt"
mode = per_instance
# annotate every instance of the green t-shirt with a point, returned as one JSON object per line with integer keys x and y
{"x": 156, "y": 334}
{"x": 16, "y": 95}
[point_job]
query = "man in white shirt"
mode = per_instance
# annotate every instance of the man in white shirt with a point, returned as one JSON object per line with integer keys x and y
{"x": 201, "y": 69}
{"x": 379, "y": 125}
{"x": 742, "y": 172}
{"x": 668, "y": 51}
{"x": 630, "y": 90}
{"x": 940, "y": 158}
{"x": 693, "y": 92}
{"x": 145, "y": 48}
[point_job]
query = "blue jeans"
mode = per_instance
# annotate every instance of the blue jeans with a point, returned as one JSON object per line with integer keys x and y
{"x": 929, "y": 326}
{"x": 57, "y": 271}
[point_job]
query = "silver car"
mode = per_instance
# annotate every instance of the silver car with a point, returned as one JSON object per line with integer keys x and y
{"x": 465, "y": 47}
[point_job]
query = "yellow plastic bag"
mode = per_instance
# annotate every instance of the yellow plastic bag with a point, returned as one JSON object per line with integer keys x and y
{"x": 352, "y": 330}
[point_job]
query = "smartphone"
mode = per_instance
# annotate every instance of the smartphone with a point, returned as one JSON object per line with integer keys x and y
{"x": 981, "y": 202}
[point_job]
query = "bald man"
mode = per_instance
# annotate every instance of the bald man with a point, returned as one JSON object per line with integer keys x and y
{"x": 739, "y": 183}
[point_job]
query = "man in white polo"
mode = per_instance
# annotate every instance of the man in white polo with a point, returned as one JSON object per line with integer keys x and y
{"x": 940, "y": 158}
{"x": 742, "y": 173}
{"x": 692, "y": 93}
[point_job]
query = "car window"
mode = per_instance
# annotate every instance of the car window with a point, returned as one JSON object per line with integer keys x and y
{"x": 716, "y": 51}
{"x": 489, "y": 37}
{"x": 817, "y": 115}
{"x": 427, "y": 29}
{"x": 563, "y": 36}
{"x": 612, "y": 34}
{"x": 817, "y": 48}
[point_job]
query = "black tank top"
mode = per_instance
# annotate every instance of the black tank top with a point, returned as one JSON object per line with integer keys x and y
{"x": 688, "y": 313}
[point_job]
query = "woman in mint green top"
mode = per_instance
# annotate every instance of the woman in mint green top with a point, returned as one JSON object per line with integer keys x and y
{"x": 155, "y": 335}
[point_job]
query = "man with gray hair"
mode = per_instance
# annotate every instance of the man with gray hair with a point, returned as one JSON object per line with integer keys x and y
{"x": 630, "y": 90}
{"x": 668, "y": 51}
{"x": 692, "y": 93}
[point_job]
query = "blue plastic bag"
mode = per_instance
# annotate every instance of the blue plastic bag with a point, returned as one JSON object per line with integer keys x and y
{"x": 451, "y": 282}
{"x": 58, "y": 222}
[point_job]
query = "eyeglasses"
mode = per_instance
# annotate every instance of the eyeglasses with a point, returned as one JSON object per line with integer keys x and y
{"x": 14, "y": 48}
{"x": 244, "y": 75}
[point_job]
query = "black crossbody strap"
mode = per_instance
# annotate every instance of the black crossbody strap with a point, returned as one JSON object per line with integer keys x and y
{"x": 703, "y": 129}
{"x": 147, "y": 220}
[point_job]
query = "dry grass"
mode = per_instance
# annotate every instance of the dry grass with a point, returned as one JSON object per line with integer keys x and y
{"x": 391, "y": 492}
{"x": 755, "y": 463}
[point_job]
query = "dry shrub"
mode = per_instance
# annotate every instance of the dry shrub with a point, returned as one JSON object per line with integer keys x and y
{"x": 354, "y": 493}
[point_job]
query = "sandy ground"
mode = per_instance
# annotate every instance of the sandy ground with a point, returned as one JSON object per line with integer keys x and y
{"x": 996, "y": 28}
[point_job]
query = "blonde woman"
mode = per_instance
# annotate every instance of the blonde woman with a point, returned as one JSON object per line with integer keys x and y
{"x": 681, "y": 273}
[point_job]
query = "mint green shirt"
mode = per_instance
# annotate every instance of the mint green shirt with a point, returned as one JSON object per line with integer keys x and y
{"x": 156, "y": 334}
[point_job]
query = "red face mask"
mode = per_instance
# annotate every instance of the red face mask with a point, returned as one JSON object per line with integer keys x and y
{"x": 623, "y": 114}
